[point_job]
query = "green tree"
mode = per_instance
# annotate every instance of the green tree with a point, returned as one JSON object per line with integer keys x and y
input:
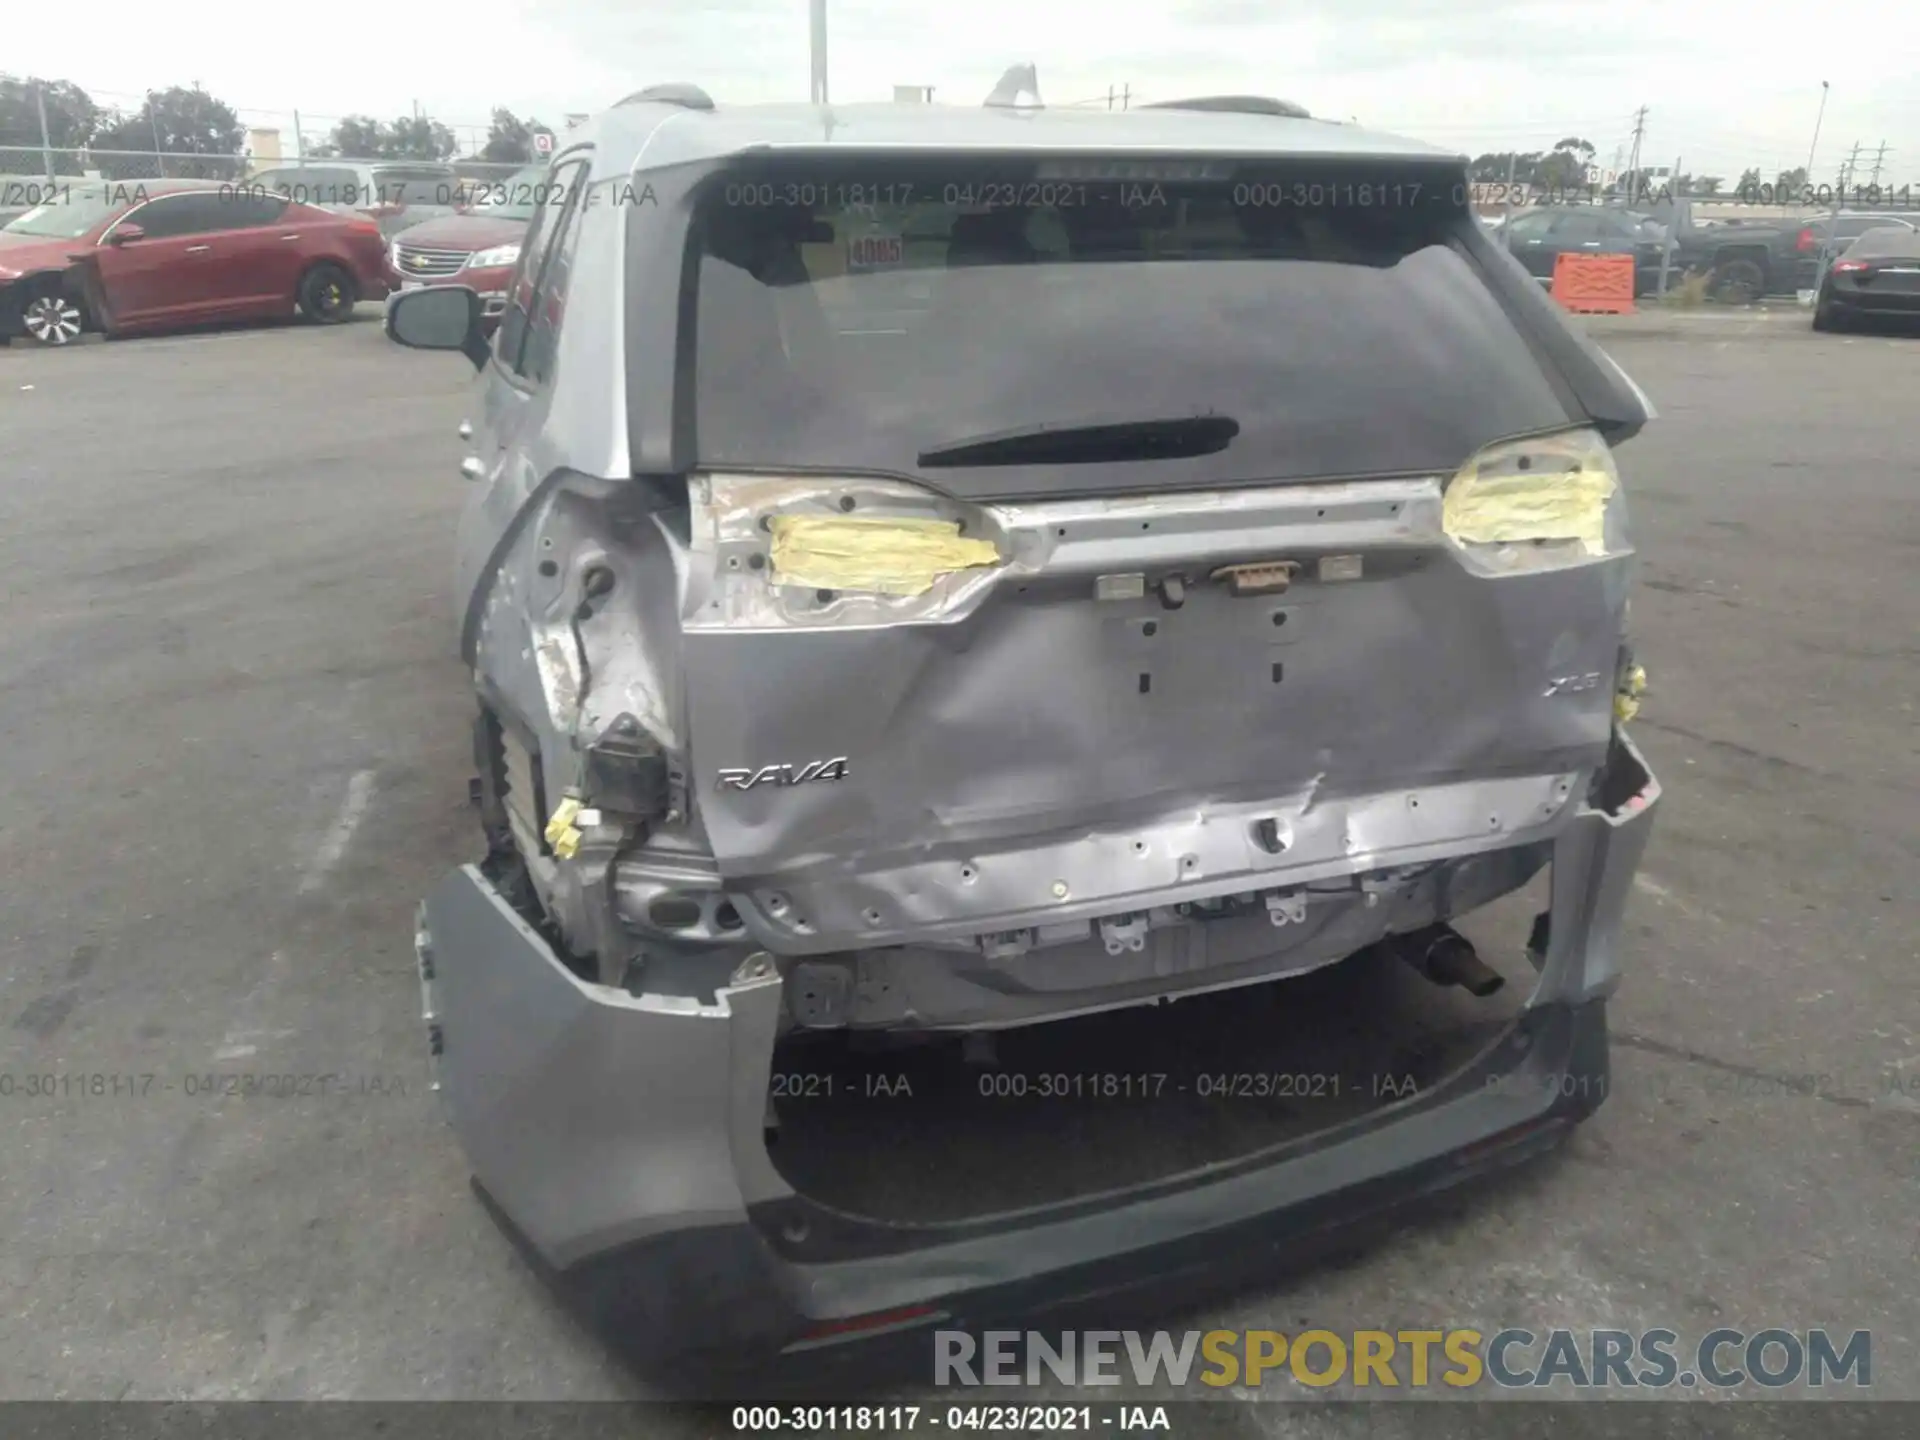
{"x": 415, "y": 137}
{"x": 358, "y": 137}
{"x": 196, "y": 135}
{"x": 71, "y": 119}
{"x": 1749, "y": 186}
{"x": 510, "y": 139}
{"x": 1708, "y": 185}
{"x": 1790, "y": 181}
{"x": 1495, "y": 166}
{"x": 1565, "y": 166}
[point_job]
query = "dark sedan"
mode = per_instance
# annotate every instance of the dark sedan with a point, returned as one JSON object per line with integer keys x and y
{"x": 1877, "y": 276}
{"x": 1538, "y": 237}
{"x": 1825, "y": 238}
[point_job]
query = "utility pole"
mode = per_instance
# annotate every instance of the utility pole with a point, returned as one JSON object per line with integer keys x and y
{"x": 817, "y": 47}
{"x": 46, "y": 142}
{"x": 1830, "y": 246}
{"x": 1879, "y": 159}
{"x": 1109, "y": 97}
{"x": 153, "y": 120}
{"x": 299, "y": 144}
{"x": 1633, "y": 164}
{"x": 1815, "y": 145}
{"x": 1673, "y": 223}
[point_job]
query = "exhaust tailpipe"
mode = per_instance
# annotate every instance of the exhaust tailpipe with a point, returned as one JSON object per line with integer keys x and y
{"x": 1446, "y": 957}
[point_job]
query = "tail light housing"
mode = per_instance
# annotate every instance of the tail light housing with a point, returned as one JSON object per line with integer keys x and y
{"x": 1804, "y": 241}
{"x": 1534, "y": 504}
{"x": 1850, "y": 265}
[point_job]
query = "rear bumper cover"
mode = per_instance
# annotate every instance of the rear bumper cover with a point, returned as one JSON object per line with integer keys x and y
{"x": 621, "y": 1136}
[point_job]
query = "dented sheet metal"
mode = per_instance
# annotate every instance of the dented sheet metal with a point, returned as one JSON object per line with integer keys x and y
{"x": 886, "y": 556}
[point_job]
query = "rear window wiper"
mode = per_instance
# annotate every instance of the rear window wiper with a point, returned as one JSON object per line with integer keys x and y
{"x": 1103, "y": 442}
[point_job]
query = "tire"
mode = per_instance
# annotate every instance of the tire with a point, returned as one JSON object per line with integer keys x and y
{"x": 327, "y": 294}
{"x": 51, "y": 317}
{"x": 1737, "y": 282}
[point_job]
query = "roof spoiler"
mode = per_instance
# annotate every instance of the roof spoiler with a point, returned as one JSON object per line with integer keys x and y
{"x": 674, "y": 92}
{"x": 1236, "y": 105}
{"x": 1019, "y": 80}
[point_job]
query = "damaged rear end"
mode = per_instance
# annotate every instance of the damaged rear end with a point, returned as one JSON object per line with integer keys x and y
{"x": 1051, "y": 584}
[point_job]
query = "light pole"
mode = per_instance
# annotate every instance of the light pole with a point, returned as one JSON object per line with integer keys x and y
{"x": 1816, "y": 130}
{"x": 817, "y": 46}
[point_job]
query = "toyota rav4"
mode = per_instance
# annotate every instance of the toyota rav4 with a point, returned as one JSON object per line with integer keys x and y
{"x": 940, "y": 575}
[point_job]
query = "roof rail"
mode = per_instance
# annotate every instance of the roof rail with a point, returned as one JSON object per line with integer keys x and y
{"x": 674, "y": 92}
{"x": 1019, "y": 79}
{"x": 1236, "y": 105}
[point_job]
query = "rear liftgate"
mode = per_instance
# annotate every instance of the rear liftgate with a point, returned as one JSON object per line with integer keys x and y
{"x": 919, "y": 722}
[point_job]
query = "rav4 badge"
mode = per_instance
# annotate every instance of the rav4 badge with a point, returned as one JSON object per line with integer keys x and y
{"x": 784, "y": 774}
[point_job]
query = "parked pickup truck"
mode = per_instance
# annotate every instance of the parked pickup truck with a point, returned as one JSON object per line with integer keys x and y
{"x": 1745, "y": 258}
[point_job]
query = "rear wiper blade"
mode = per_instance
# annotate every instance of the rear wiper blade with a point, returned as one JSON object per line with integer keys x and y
{"x": 1105, "y": 442}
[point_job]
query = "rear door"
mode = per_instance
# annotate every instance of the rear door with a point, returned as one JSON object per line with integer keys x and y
{"x": 1526, "y": 237}
{"x": 1179, "y": 452}
{"x": 514, "y": 389}
{"x": 257, "y": 256}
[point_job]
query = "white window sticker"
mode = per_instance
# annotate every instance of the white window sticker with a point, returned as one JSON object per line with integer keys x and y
{"x": 874, "y": 252}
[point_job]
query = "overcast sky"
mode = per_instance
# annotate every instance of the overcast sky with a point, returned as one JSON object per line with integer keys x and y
{"x": 1726, "y": 84}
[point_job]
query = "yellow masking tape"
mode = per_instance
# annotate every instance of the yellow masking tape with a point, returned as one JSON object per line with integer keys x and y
{"x": 1500, "y": 509}
{"x": 886, "y": 557}
{"x": 562, "y": 834}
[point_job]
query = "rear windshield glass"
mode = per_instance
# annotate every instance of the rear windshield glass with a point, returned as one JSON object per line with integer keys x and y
{"x": 1895, "y": 240}
{"x": 414, "y": 185}
{"x": 514, "y": 198}
{"x": 313, "y": 185}
{"x": 890, "y": 316}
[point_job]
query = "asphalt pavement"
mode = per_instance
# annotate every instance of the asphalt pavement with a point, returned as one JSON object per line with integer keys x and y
{"x": 236, "y": 754}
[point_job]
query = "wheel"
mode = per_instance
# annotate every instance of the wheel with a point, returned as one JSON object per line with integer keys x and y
{"x": 52, "y": 317}
{"x": 1737, "y": 282}
{"x": 326, "y": 294}
{"x": 1825, "y": 317}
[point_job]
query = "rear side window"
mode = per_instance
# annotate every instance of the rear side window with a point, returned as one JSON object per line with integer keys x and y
{"x": 550, "y": 297}
{"x": 510, "y": 341}
{"x": 1332, "y": 313}
{"x": 195, "y": 213}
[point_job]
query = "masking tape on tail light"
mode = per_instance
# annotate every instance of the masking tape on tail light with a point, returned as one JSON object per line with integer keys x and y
{"x": 880, "y": 556}
{"x": 1564, "y": 498}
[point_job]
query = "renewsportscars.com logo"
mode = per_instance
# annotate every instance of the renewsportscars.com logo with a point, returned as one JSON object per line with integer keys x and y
{"x": 1513, "y": 1358}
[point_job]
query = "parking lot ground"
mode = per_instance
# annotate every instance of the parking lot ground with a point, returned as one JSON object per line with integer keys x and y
{"x": 236, "y": 754}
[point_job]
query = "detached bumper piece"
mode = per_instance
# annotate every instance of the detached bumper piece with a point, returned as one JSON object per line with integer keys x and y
{"x": 619, "y": 1137}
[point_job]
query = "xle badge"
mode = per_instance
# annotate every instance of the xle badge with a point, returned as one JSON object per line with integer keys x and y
{"x": 1572, "y": 684}
{"x": 784, "y": 774}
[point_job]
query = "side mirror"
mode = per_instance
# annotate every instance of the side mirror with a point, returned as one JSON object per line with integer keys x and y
{"x": 126, "y": 233}
{"x": 439, "y": 317}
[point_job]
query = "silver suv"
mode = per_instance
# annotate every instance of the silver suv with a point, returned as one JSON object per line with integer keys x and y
{"x": 932, "y": 573}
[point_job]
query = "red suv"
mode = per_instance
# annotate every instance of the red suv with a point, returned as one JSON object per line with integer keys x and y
{"x": 135, "y": 255}
{"x": 477, "y": 248}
